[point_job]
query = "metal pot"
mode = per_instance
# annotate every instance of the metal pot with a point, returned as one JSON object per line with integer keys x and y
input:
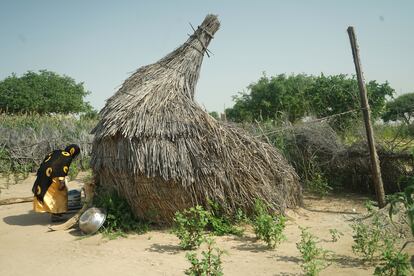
{"x": 91, "y": 220}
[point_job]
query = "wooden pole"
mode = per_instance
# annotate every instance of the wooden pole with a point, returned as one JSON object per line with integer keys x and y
{"x": 375, "y": 164}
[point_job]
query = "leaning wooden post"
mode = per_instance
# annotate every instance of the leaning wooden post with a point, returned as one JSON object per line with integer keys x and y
{"x": 375, "y": 164}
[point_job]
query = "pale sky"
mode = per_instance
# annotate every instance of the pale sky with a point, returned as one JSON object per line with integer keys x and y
{"x": 101, "y": 42}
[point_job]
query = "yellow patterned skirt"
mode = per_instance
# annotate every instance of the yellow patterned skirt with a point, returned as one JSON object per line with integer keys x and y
{"x": 55, "y": 201}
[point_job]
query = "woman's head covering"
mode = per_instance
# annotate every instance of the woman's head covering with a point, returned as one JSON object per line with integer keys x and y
{"x": 73, "y": 150}
{"x": 55, "y": 164}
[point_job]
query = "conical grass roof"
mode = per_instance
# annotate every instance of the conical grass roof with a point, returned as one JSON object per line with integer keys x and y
{"x": 161, "y": 151}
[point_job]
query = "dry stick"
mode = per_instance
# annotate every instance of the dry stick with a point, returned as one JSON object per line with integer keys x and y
{"x": 15, "y": 200}
{"x": 376, "y": 170}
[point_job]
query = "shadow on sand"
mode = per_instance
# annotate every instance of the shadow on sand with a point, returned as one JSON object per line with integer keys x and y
{"x": 31, "y": 218}
{"x": 164, "y": 248}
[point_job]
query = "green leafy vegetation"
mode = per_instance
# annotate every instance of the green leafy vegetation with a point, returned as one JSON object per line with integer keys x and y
{"x": 368, "y": 238}
{"x": 214, "y": 114}
{"x": 189, "y": 226}
{"x": 119, "y": 220}
{"x": 393, "y": 262}
{"x": 267, "y": 227}
{"x": 43, "y": 92}
{"x": 318, "y": 184}
{"x": 294, "y": 97}
{"x": 210, "y": 264}
{"x": 272, "y": 98}
{"x": 330, "y": 95}
{"x": 400, "y": 108}
{"x": 405, "y": 198}
{"x": 377, "y": 245}
{"x": 335, "y": 234}
{"x": 313, "y": 257}
{"x": 220, "y": 224}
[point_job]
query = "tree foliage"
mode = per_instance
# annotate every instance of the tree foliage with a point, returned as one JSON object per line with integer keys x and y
{"x": 43, "y": 92}
{"x": 271, "y": 98}
{"x": 214, "y": 114}
{"x": 296, "y": 96}
{"x": 330, "y": 95}
{"x": 401, "y": 108}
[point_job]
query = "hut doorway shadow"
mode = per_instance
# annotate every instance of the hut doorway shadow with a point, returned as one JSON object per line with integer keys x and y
{"x": 28, "y": 219}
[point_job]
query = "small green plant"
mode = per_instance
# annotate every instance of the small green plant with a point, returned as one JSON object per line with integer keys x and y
{"x": 189, "y": 226}
{"x": 209, "y": 265}
{"x": 406, "y": 198}
{"x": 240, "y": 217}
{"x": 370, "y": 206}
{"x": 219, "y": 223}
{"x": 335, "y": 234}
{"x": 268, "y": 227}
{"x": 73, "y": 171}
{"x": 393, "y": 262}
{"x": 120, "y": 219}
{"x": 314, "y": 258}
{"x": 368, "y": 238}
{"x": 318, "y": 185}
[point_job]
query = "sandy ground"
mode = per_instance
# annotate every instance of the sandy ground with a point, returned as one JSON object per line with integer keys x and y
{"x": 27, "y": 247}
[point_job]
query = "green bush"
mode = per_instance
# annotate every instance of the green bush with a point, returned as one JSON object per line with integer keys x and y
{"x": 209, "y": 265}
{"x": 368, "y": 238}
{"x": 318, "y": 184}
{"x": 267, "y": 227}
{"x": 393, "y": 262}
{"x": 314, "y": 258}
{"x": 407, "y": 199}
{"x": 43, "y": 92}
{"x": 221, "y": 224}
{"x": 189, "y": 226}
{"x": 120, "y": 219}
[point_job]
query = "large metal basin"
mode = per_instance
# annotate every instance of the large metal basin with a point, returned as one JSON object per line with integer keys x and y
{"x": 91, "y": 220}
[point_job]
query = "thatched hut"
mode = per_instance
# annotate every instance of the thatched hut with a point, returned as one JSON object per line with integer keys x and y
{"x": 161, "y": 151}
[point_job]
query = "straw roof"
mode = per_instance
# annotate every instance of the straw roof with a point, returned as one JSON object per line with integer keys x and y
{"x": 160, "y": 150}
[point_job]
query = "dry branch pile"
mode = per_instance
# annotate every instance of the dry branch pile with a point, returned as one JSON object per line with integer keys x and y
{"x": 161, "y": 151}
{"x": 317, "y": 148}
{"x": 26, "y": 138}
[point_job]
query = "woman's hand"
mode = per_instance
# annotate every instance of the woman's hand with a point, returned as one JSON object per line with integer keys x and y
{"x": 62, "y": 185}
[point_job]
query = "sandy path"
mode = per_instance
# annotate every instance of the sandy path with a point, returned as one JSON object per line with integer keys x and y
{"x": 26, "y": 246}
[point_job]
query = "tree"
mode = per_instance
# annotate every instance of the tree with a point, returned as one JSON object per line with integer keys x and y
{"x": 43, "y": 92}
{"x": 400, "y": 108}
{"x": 296, "y": 96}
{"x": 214, "y": 114}
{"x": 271, "y": 98}
{"x": 330, "y": 95}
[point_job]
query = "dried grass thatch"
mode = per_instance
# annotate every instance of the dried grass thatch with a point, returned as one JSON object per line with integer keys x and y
{"x": 161, "y": 151}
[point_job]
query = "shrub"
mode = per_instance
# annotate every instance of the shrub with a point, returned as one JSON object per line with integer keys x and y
{"x": 318, "y": 185}
{"x": 220, "y": 224}
{"x": 209, "y": 264}
{"x": 393, "y": 262}
{"x": 406, "y": 198}
{"x": 368, "y": 238}
{"x": 189, "y": 226}
{"x": 120, "y": 219}
{"x": 268, "y": 227}
{"x": 43, "y": 92}
{"x": 314, "y": 258}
